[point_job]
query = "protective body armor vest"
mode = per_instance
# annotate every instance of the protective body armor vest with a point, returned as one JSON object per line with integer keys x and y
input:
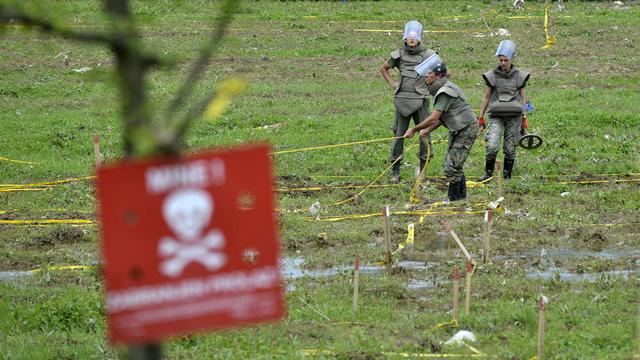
{"x": 460, "y": 114}
{"x": 410, "y": 81}
{"x": 505, "y": 97}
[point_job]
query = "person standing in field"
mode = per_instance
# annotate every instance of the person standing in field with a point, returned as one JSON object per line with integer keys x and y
{"x": 450, "y": 109}
{"x": 505, "y": 100}
{"x": 411, "y": 94}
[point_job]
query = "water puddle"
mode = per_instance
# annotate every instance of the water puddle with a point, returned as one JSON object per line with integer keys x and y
{"x": 7, "y": 276}
{"x": 575, "y": 277}
{"x": 292, "y": 268}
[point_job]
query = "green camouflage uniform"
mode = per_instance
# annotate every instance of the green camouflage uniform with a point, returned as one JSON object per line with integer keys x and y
{"x": 459, "y": 119}
{"x": 504, "y": 111}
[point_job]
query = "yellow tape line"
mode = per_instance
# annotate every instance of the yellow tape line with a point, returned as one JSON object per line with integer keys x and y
{"x": 316, "y": 352}
{"x": 21, "y": 189}
{"x": 17, "y": 161}
{"x": 424, "y": 31}
{"x": 414, "y": 196}
{"x": 47, "y": 221}
{"x": 551, "y": 40}
{"x": 453, "y": 323}
{"x": 320, "y": 188}
{"x": 598, "y": 181}
{"x": 421, "y": 213}
{"x": 46, "y": 183}
{"x": 409, "y": 240}
{"x": 63, "y": 267}
{"x": 332, "y": 146}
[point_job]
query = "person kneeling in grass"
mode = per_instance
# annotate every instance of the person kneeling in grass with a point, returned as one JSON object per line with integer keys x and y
{"x": 451, "y": 110}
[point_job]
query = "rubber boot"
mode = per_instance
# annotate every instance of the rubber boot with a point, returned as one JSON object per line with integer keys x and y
{"x": 422, "y": 164}
{"x": 508, "y": 168}
{"x": 395, "y": 173}
{"x": 454, "y": 191}
{"x": 489, "y": 165}
{"x": 463, "y": 187}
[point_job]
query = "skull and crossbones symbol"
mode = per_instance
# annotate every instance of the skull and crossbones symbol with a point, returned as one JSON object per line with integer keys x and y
{"x": 188, "y": 212}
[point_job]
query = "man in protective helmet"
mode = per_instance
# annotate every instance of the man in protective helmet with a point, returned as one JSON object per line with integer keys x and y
{"x": 505, "y": 100}
{"x": 411, "y": 93}
{"x": 450, "y": 109}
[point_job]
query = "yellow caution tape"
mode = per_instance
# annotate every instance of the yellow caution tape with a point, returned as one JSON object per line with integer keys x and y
{"x": 63, "y": 267}
{"x": 227, "y": 91}
{"x": 320, "y": 188}
{"x": 417, "y": 212}
{"x": 551, "y": 40}
{"x": 424, "y": 31}
{"x": 47, "y": 221}
{"x": 46, "y": 183}
{"x": 332, "y": 146}
{"x": 17, "y": 161}
{"x": 598, "y": 181}
{"x": 409, "y": 240}
{"x": 414, "y": 196}
{"x": 21, "y": 189}
{"x": 477, "y": 353}
{"x": 453, "y": 323}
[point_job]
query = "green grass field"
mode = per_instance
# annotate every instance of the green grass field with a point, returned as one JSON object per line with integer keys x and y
{"x": 313, "y": 69}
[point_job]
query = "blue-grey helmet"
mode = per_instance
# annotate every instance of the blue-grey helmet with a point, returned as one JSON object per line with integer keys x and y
{"x": 432, "y": 63}
{"x": 412, "y": 29}
{"x": 506, "y": 48}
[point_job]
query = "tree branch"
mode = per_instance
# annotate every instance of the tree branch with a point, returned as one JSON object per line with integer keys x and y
{"x": 228, "y": 10}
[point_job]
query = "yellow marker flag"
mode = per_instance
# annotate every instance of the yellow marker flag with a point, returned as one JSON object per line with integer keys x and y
{"x": 551, "y": 40}
{"x": 227, "y": 91}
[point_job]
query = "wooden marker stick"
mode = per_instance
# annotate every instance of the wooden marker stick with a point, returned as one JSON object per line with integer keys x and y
{"x": 448, "y": 227}
{"x": 499, "y": 170}
{"x": 541, "y": 305}
{"x": 387, "y": 234}
{"x": 356, "y": 284}
{"x": 487, "y": 235}
{"x": 467, "y": 299}
{"x": 456, "y": 291}
{"x": 96, "y": 150}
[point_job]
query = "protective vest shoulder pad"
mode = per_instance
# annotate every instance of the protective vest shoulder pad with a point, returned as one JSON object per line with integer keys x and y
{"x": 395, "y": 55}
{"x": 523, "y": 77}
{"x": 489, "y": 78}
{"x": 447, "y": 90}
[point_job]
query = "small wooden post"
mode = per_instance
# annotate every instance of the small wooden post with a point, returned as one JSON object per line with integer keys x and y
{"x": 456, "y": 291}
{"x": 356, "y": 284}
{"x": 449, "y": 228}
{"x": 387, "y": 234}
{"x": 499, "y": 174}
{"x": 488, "y": 219}
{"x": 96, "y": 150}
{"x": 541, "y": 305}
{"x": 467, "y": 299}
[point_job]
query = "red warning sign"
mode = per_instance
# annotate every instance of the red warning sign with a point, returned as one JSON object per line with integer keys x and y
{"x": 189, "y": 244}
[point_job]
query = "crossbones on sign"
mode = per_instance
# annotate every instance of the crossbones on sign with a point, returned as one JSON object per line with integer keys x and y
{"x": 188, "y": 212}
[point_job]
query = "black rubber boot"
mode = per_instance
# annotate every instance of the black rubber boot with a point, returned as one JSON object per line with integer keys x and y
{"x": 422, "y": 164}
{"x": 454, "y": 191}
{"x": 489, "y": 165}
{"x": 508, "y": 168}
{"x": 463, "y": 187}
{"x": 395, "y": 173}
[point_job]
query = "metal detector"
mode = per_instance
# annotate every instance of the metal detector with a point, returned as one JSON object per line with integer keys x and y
{"x": 529, "y": 141}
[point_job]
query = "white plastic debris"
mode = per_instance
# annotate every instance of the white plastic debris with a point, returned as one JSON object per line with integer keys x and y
{"x": 460, "y": 337}
{"x": 83, "y": 69}
{"x": 494, "y": 204}
{"x": 566, "y": 193}
{"x": 607, "y": 136}
{"x": 314, "y": 209}
{"x": 503, "y": 32}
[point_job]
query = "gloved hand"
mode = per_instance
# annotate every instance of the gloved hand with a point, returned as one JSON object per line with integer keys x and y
{"x": 524, "y": 126}
{"x": 481, "y": 123}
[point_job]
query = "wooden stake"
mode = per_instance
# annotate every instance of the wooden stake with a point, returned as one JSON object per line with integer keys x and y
{"x": 541, "y": 305}
{"x": 499, "y": 170}
{"x": 467, "y": 299}
{"x": 96, "y": 150}
{"x": 456, "y": 291}
{"x": 448, "y": 227}
{"x": 387, "y": 234}
{"x": 356, "y": 284}
{"x": 488, "y": 219}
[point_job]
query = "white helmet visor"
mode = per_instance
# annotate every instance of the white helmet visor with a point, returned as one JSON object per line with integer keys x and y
{"x": 413, "y": 29}
{"x": 429, "y": 64}
{"x": 506, "y": 48}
